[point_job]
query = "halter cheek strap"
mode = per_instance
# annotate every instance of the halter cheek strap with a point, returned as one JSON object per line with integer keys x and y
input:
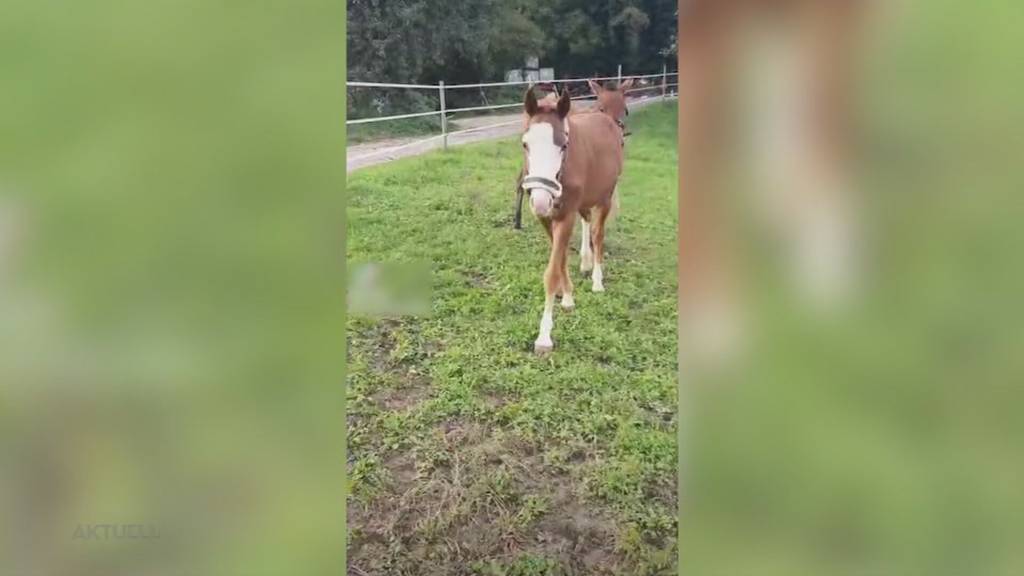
{"x": 565, "y": 128}
{"x": 625, "y": 131}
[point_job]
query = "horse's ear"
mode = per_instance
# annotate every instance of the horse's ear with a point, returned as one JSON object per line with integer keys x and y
{"x": 594, "y": 87}
{"x": 530, "y": 105}
{"x": 564, "y": 104}
{"x": 626, "y": 84}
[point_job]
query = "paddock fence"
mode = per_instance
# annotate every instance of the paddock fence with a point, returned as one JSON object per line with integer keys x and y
{"x": 656, "y": 87}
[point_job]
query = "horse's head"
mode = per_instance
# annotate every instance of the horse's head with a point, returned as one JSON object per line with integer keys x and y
{"x": 545, "y": 142}
{"x": 612, "y": 101}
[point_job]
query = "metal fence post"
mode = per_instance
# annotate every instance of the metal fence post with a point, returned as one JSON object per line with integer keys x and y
{"x": 664, "y": 81}
{"x": 444, "y": 117}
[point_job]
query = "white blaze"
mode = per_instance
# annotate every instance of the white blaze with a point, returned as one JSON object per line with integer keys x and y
{"x": 544, "y": 159}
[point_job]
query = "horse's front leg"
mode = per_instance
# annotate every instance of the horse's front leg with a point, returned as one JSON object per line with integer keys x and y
{"x": 561, "y": 231}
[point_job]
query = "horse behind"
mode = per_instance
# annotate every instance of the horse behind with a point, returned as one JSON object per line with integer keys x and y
{"x": 572, "y": 165}
{"x": 612, "y": 101}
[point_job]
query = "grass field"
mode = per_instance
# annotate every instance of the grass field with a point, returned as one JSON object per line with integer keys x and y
{"x": 468, "y": 454}
{"x": 407, "y": 128}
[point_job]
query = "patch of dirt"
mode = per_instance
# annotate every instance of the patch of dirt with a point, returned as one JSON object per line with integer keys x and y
{"x": 493, "y": 499}
{"x": 383, "y": 342}
{"x": 578, "y": 534}
{"x": 495, "y": 401}
{"x": 397, "y": 399}
{"x": 477, "y": 279}
{"x": 415, "y": 385}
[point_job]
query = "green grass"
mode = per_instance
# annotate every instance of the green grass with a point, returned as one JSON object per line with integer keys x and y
{"x": 404, "y": 128}
{"x": 468, "y": 454}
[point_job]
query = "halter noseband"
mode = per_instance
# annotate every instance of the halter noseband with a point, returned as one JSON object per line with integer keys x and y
{"x": 554, "y": 186}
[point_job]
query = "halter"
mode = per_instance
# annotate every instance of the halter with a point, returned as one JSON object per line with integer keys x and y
{"x": 622, "y": 127}
{"x": 553, "y": 185}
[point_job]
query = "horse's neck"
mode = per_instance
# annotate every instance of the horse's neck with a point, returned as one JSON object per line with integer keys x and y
{"x": 588, "y": 143}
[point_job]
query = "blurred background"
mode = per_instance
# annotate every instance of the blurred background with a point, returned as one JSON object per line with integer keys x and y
{"x": 171, "y": 319}
{"x": 851, "y": 280}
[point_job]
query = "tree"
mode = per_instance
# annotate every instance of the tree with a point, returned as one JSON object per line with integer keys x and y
{"x": 467, "y": 41}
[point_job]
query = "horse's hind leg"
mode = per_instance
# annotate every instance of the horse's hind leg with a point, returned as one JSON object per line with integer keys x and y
{"x": 597, "y": 238}
{"x": 586, "y": 249}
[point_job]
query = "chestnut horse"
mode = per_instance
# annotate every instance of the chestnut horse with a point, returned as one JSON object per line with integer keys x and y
{"x": 571, "y": 165}
{"x": 611, "y": 101}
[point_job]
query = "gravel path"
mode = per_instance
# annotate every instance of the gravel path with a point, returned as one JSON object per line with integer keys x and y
{"x": 381, "y": 151}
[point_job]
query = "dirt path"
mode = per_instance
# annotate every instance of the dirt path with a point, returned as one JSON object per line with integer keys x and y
{"x": 381, "y": 151}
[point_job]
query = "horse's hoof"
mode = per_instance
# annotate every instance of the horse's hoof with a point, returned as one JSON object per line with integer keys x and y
{"x": 586, "y": 266}
{"x": 542, "y": 348}
{"x": 597, "y": 288}
{"x": 568, "y": 304}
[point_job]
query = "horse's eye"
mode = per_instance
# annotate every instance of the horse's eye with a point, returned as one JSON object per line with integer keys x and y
{"x": 524, "y": 146}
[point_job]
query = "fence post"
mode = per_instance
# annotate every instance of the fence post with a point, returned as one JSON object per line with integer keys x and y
{"x": 620, "y": 74}
{"x": 444, "y": 117}
{"x": 664, "y": 81}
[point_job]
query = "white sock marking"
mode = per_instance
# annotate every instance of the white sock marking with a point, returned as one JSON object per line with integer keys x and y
{"x": 568, "y": 301}
{"x": 547, "y": 321}
{"x": 586, "y": 255}
{"x": 598, "y": 277}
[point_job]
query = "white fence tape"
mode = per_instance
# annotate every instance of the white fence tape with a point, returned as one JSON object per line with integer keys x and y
{"x": 482, "y": 85}
{"x": 386, "y": 151}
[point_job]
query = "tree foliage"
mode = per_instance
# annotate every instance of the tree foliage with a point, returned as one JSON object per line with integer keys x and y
{"x": 466, "y": 41}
